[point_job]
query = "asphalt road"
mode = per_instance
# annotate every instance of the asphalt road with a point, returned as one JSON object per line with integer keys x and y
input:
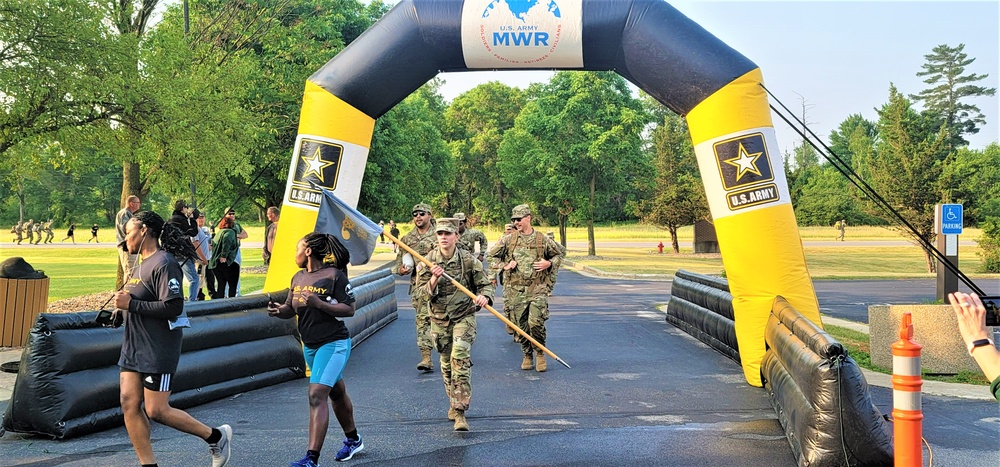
{"x": 850, "y": 299}
{"x": 640, "y": 392}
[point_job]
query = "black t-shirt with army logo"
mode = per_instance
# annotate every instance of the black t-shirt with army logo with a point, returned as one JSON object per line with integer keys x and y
{"x": 315, "y": 326}
{"x": 149, "y": 345}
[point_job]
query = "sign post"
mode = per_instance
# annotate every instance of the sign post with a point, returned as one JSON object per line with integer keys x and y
{"x": 948, "y": 222}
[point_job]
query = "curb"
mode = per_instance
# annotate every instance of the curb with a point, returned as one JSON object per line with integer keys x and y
{"x": 597, "y": 273}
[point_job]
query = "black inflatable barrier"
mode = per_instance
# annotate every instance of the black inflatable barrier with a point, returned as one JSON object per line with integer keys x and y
{"x": 703, "y": 307}
{"x": 67, "y": 383}
{"x": 820, "y": 395}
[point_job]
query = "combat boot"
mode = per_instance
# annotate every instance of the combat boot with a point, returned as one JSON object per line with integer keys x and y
{"x": 540, "y": 364}
{"x": 461, "y": 424}
{"x": 425, "y": 362}
{"x": 452, "y": 413}
{"x": 526, "y": 364}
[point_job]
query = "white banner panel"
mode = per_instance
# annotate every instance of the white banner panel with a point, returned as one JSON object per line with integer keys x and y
{"x": 335, "y": 165}
{"x": 522, "y": 34}
{"x": 742, "y": 172}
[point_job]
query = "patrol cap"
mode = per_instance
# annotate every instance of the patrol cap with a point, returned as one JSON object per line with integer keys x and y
{"x": 422, "y": 207}
{"x": 520, "y": 211}
{"x": 460, "y": 216}
{"x": 447, "y": 224}
{"x": 508, "y": 227}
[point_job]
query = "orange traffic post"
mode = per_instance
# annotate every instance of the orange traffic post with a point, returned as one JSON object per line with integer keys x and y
{"x": 907, "y": 413}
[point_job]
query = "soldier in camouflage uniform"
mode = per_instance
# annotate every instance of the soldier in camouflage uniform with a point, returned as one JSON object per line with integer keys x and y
{"x": 422, "y": 240}
{"x": 48, "y": 231}
{"x": 38, "y": 231}
{"x": 468, "y": 237}
{"x": 531, "y": 261}
{"x": 453, "y": 314}
{"x": 19, "y": 230}
{"x": 30, "y": 229}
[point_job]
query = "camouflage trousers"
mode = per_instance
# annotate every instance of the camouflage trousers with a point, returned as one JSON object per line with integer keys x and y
{"x": 529, "y": 311}
{"x": 454, "y": 343}
{"x": 422, "y": 305}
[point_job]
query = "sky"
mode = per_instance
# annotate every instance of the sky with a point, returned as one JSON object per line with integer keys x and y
{"x": 839, "y": 56}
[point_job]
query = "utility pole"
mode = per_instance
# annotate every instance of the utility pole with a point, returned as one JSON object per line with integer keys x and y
{"x": 187, "y": 29}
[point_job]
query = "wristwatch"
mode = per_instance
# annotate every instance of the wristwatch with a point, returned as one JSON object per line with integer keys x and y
{"x": 979, "y": 343}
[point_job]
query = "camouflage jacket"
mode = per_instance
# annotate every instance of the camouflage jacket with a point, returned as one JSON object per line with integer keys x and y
{"x": 448, "y": 302}
{"x": 468, "y": 241}
{"x": 422, "y": 244}
{"x": 526, "y": 249}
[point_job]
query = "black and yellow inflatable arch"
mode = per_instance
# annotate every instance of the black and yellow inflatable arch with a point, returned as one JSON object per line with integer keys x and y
{"x": 646, "y": 41}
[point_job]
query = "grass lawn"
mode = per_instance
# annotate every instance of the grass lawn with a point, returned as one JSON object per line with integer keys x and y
{"x": 81, "y": 271}
{"x": 857, "y": 346}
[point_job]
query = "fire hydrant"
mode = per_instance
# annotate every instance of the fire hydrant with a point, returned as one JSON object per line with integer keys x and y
{"x": 660, "y": 247}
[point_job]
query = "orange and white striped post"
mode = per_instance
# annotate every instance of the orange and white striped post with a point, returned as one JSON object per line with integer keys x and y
{"x": 907, "y": 413}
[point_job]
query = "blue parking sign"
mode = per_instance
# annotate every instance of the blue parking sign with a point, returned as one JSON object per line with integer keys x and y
{"x": 951, "y": 219}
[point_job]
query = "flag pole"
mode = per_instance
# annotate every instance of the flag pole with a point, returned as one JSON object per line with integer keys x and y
{"x": 468, "y": 292}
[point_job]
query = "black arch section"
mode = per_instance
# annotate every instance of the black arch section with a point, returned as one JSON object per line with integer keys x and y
{"x": 648, "y": 42}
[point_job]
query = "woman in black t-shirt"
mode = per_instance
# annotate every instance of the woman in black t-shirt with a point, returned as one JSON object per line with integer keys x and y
{"x": 151, "y": 348}
{"x": 319, "y": 295}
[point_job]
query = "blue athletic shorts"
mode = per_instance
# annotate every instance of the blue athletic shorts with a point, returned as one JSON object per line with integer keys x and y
{"x": 327, "y": 362}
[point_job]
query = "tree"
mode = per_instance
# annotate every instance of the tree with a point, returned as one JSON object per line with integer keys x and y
{"x": 476, "y": 122}
{"x": 905, "y": 168}
{"x": 840, "y": 138}
{"x": 675, "y": 196}
{"x": 944, "y": 70}
{"x": 578, "y": 140}
{"x": 972, "y": 178}
{"x": 409, "y": 160}
{"x": 55, "y": 66}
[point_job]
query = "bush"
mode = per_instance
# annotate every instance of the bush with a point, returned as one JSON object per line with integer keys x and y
{"x": 989, "y": 244}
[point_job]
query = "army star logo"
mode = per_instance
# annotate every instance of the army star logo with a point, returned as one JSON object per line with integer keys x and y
{"x": 315, "y": 165}
{"x": 743, "y": 161}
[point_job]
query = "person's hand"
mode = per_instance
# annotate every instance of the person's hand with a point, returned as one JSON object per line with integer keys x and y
{"x": 314, "y": 300}
{"x": 511, "y": 265}
{"x": 971, "y": 316}
{"x": 541, "y": 264}
{"x": 481, "y": 301}
{"x": 222, "y": 260}
{"x": 480, "y": 257}
{"x": 122, "y": 299}
{"x": 403, "y": 270}
{"x": 494, "y": 282}
{"x": 273, "y": 309}
{"x": 437, "y": 270}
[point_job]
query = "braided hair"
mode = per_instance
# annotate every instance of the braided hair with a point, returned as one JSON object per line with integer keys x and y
{"x": 328, "y": 250}
{"x": 170, "y": 236}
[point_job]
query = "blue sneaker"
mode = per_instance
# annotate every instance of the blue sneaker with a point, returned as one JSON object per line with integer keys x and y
{"x": 351, "y": 447}
{"x": 305, "y": 462}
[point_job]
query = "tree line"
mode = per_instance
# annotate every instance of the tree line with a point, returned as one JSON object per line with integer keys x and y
{"x": 98, "y": 103}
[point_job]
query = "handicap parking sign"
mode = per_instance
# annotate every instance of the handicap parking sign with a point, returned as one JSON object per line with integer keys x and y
{"x": 951, "y": 219}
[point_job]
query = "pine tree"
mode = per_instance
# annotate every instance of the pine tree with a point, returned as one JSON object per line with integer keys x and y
{"x": 945, "y": 72}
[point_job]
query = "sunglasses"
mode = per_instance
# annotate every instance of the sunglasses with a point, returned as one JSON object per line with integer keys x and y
{"x": 419, "y": 213}
{"x": 516, "y": 219}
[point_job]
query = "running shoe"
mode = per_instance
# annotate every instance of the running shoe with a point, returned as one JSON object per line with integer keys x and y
{"x": 304, "y": 462}
{"x": 220, "y": 451}
{"x": 351, "y": 447}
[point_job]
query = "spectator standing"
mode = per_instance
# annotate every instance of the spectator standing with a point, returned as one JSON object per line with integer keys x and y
{"x": 181, "y": 218}
{"x": 841, "y": 226}
{"x": 273, "y": 215}
{"x": 93, "y": 234}
{"x": 223, "y": 262}
{"x": 205, "y": 237}
{"x": 240, "y": 235}
{"x": 395, "y": 233}
{"x": 126, "y": 260}
{"x": 71, "y": 233}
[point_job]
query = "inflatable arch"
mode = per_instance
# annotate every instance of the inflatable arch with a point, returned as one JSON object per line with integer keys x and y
{"x": 648, "y": 42}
